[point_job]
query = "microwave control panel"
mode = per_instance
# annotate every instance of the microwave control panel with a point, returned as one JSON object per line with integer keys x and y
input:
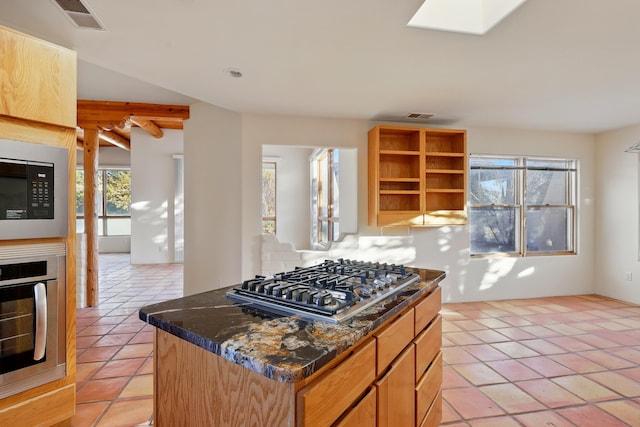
{"x": 40, "y": 191}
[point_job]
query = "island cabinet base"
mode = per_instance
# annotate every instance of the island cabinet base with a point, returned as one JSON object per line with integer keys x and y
{"x": 391, "y": 377}
{"x": 194, "y": 387}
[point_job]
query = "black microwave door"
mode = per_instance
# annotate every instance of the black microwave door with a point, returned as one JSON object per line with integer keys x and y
{"x": 13, "y": 191}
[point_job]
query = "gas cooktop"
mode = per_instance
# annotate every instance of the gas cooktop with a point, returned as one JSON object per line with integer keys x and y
{"x": 333, "y": 291}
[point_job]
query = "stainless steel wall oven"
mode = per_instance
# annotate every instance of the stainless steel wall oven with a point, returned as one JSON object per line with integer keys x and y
{"x": 32, "y": 322}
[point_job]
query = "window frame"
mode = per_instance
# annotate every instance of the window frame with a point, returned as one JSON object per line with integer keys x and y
{"x": 522, "y": 207}
{"x": 103, "y": 218}
{"x": 321, "y": 235}
{"x": 275, "y": 196}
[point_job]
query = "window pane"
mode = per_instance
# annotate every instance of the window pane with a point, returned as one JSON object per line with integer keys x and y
{"x": 323, "y": 190}
{"x": 118, "y": 201}
{"x": 324, "y": 231}
{"x": 269, "y": 190}
{"x": 99, "y": 201}
{"x": 490, "y": 186}
{"x": 80, "y": 225}
{"x": 547, "y": 187}
{"x": 336, "y": 231}
{"x": 493, "y": 229}
{"x": 80, "y": 193}
{"x": 269, "y": 227}
{"x": 118, "y": 226}
{"x": 549, "y": 229}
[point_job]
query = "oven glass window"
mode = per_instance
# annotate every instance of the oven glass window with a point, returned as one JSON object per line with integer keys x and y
{"x": 17, "y": 327}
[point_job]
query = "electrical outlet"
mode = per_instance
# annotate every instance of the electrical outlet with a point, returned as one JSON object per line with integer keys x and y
{"x": 628, "y": 276}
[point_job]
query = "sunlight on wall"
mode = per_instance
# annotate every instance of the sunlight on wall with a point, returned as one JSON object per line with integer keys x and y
{"x": 496, "y": 269}
{"x": 526, "y": 272}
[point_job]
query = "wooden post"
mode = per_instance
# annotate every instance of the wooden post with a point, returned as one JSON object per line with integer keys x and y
{"x": 90, "y": 212}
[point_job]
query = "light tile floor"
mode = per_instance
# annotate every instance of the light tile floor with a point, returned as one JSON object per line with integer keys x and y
{"x": 559, "y": 361}
{"x": 114, "y": 361}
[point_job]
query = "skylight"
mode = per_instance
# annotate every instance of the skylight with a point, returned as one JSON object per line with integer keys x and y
{"x": 463, "y": 16}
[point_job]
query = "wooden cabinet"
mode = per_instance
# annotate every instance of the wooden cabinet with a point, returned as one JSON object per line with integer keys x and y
{"x": 392, "y": 377}
{"x": 396, "y": 405}
{"x": 322, "y": 402}
{"x": 363, "y": 414}
{"x": 417, "y": 176}
{"x": 407, "y": 376}
{"x": 38, "y": 105}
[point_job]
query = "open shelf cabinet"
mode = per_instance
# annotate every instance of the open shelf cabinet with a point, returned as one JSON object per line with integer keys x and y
{"x": 417, "y": 176}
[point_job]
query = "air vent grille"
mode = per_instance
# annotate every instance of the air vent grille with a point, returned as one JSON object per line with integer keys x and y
{"x": 419, "y": 116}
{"x": 634, "y": 148}
{"x": 79, "y": 14}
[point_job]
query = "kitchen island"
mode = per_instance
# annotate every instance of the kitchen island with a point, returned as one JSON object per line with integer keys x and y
{"x": 219, "y": 362}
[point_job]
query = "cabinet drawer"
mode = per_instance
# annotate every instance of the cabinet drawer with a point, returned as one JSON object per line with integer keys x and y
{"x": 363, "y": 414}
{"x": 427, "y": 309}
{"x": 428, "y": 387}
{"x": 428, "y": 344}
{"x": 325, "y": 399}
{"x": 396, "y": 403}
{"x": 393, "y": 339}
{"x": 434, "y": 415}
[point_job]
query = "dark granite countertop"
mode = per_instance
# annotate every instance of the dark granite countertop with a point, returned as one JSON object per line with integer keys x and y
{"x": 283, "y": 348}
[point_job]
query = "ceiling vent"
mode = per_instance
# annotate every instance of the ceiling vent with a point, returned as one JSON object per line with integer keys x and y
{"x": 418, "y": 116}
{"x": 79, "y": 14}
{"x": 634, "y": 148}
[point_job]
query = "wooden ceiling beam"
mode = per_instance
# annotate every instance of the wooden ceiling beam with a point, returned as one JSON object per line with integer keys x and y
{"x": 112, "y": 114}
{"x": 115, "y": 139}
{"x": 148, "y": 125}
{"x": 106, "y": 136}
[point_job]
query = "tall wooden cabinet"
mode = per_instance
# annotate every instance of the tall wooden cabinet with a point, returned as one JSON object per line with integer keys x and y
{"x": 38, "y": 105}
{"x": 417, "y": 176}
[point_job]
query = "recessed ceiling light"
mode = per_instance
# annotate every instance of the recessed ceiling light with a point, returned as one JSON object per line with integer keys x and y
{"x": 463, "y": 16}
{"x": 233, "y": 72}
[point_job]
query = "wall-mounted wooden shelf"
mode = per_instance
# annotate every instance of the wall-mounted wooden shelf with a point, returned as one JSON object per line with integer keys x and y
{"x": 417, "y": 176}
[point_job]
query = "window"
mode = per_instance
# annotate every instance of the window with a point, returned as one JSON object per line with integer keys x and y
{"x": 114, "y": 202}
{"x": 269, "y": 197}
{"x": 325, "y": 209}
{"x": 522, "y": 205}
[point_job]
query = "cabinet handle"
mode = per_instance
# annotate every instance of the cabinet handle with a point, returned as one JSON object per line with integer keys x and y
{"x": 40, "y": 296}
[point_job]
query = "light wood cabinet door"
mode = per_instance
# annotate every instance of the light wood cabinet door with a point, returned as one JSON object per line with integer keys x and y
{"x": 364, "y": 414}
{"x": 428, "y": 344}
{"x": 427, "y": 309}
{"x": 323, "y": 401}
{"x": 393, "y": 339}
{"x": 428, "y": 388}
{"x": 396, "y": 404}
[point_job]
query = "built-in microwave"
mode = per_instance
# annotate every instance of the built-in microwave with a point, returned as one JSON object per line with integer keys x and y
{"x": 33, "y": 190}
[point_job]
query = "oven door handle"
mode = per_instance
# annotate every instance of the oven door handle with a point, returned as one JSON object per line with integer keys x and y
{"x": 40, "y": 294}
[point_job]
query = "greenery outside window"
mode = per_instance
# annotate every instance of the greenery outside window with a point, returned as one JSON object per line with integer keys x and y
{"x": 325, "y": 193}
{"x": 522, "y": 205}
{"x": 269, "y": 197}
{"x": 114, "y": 202}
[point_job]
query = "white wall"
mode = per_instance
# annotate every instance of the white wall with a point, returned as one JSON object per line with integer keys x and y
{"x": 445, "y": 248}
{"x": 152, "y": 195}
{"x": 214, "y": 211}
{"x": 617, "y": 215}
{"x": 475, "y": 279}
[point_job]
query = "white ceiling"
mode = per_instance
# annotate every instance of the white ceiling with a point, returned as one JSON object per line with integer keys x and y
{"x": 568, "y": 65}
